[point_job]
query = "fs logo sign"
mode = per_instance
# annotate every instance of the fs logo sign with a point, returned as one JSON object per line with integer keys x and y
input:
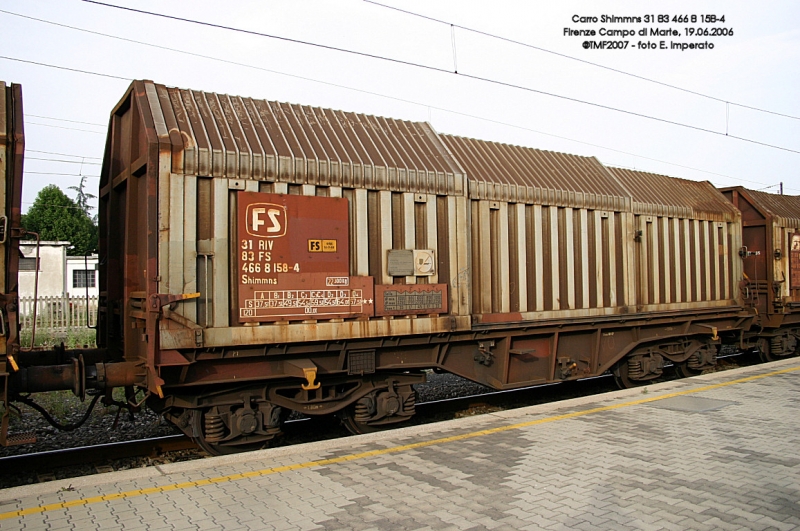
{"x": 266, "y": 220}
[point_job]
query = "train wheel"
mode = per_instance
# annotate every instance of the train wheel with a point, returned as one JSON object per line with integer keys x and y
{"x": 684, "y": 371}
{"x": 379, "y": 410}
{"x": 622, "y": 378}
{"x": 701, "y": 359}
{"x": 638, "y": 369}
{"x": 231, "y": 448}
{"x": 225, "y": 431}
{"x": 350, "y": 420}
{"x": 763, "y": 350}
{"x": 778, "y": 347}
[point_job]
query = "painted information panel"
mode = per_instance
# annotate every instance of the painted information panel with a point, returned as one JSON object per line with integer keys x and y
{"x": 308, "y": 296}
{"x": 410, "y": 299}
{"x": 293, "y": 259}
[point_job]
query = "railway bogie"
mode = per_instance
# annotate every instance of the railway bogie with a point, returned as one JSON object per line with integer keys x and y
{"x": 259, "y": 258}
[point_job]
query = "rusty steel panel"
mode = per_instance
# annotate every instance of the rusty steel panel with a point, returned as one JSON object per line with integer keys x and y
{"x": 685, "y": 244}
{"x": 681, "y": 263}
{"x": 503, "y": 172}
{"x": 240, "y": 138}
{"x": 410, "y": 299}
{"x": 660, "y": 195}
{"x": 293, "y": 259}
{"x": 532, "y": 262}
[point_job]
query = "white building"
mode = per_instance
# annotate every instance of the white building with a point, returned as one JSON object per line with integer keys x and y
{"x": 58, "y": 273}
{"x": 82, "y": 276}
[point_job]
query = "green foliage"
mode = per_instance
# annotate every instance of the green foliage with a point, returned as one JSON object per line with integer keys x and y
{"x": 56, "y": 217}
{"x": 74, "y": 337}
{"x": 82, "y": 197}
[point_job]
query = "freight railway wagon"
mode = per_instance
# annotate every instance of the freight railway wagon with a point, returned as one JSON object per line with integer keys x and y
{"x": 258, "y": 258}
{"x": 771, "y": 260}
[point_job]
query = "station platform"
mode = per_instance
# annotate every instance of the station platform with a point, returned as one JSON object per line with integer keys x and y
{"x": 718, "y": 451}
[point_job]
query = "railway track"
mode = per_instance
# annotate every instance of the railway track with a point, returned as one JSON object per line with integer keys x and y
{"x": 94, "y": 454}
{"x": 49, "y": 465}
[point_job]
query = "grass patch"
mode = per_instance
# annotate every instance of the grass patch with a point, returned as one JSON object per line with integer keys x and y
{"x": 78, "y": 337}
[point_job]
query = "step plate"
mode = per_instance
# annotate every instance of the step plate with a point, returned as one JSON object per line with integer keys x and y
{"x": 16, "y": 439}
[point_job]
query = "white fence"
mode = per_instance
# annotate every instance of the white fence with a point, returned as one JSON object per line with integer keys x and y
{"x": 57, "y": 315}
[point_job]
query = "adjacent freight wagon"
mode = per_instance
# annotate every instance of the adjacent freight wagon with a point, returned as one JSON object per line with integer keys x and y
{"x": 770, "y": 253}
{"x": 258, "y": 258}
{"x": 12, "y": 149}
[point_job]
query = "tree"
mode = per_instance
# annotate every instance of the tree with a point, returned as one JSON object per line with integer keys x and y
{"x": 54, "y": 216}
{"x": 82, "y": 199}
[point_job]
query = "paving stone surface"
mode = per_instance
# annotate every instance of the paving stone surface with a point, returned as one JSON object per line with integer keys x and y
{"x": 647, "y": 459}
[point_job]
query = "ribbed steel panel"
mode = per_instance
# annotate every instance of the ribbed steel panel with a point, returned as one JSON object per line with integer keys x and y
{"x": 660, "y": 195}
{"x": 503, "y": 172}
{"x": 784, "y": 209}
{"x": 231, "y": 137}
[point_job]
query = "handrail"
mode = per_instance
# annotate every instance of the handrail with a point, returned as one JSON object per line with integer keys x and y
{"x": 35, "y": 294}
{"x": 86, "y": 285}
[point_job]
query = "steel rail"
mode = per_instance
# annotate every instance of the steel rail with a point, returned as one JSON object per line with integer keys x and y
{"x": 426, "y": 413}
{"x": 87, "y": 455}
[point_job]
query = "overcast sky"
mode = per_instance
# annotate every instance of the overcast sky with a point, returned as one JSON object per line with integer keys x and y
{"x": 758, "y": 66}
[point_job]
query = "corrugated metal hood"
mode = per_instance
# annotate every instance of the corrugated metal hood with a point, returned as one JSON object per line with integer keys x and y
{"x": 660, "y": 195}
{"x": 504, "y": 172}
{"x": 234, "y": 137}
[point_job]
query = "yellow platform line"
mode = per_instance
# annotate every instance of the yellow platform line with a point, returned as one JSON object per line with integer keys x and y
{"x": 373, "y": 453}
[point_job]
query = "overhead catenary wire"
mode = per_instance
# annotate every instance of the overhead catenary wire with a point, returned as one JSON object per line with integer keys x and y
{"x": 65, "y": 161}
{"x": 63, "y": 67}
{"x": 63, "y": 120}
{"x": 363, "y": 91}
{"x": 59, "y": 173}
{"x": 440, "y": 70}
{"x": 578, "y": 59}
{"x": 61, "y": 154}
{"x": 455, "y": 57}
{"x": 28, "y": 122}
{"x": 345, "y": 87}
{"x": 444, "y": 109}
